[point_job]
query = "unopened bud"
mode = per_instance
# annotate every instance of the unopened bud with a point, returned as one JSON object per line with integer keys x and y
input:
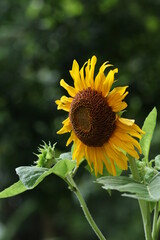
{"x": 46, "y": 156}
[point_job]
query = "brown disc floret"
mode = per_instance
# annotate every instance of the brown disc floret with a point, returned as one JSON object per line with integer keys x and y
{"x": 92, "y": 119}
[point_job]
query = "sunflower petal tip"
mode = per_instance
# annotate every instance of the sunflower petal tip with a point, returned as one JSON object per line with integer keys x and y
{"x": 115, "y": 70}
{"x": 75, "y": 64}
{"x": 61, "y": 82}
{"x": 94, "y": 58}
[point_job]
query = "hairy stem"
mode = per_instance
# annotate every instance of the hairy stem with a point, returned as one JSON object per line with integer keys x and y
{"x": 154, "y": 228}
{"x": 81, "y": 200}
{"x": 156, "y": 233}
{"x": 144, "y": 205}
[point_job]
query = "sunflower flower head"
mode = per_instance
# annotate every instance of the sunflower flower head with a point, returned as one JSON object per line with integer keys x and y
{"x": 99, "y": 134}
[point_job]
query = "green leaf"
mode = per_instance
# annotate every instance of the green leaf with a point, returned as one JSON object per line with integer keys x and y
{"x": 67, "y": 155}
{"x": 154, "y": 187}
{"x": 31, "y": 176}
{"x": 122, "y": 184}
{"x": 148, "y": 127}
{"x": 133, "y": 189}
{"x": 63, "y": 167}
{"x": 126, "y": 184}
{"x": 13, "y": 190}
{"x": 145, "y": 196}
{"x": 157, "y": 162}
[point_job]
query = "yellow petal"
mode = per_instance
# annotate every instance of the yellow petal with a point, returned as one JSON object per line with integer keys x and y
{"x": 57, "y": 102}
{"x": 115, "y": 98}
{"x": 75, "y": 74}
{"x": 87, "y": 73}
{"x": 64, "y": 129}
{"x": 100, "y": 78}
{"x": 90, "y": 72}
{"x": 78, "y": 152}
{"x": 99, "y": 161}
{"x": 92, "y": 155}
{"x": 64, "y": 103}
{"x": 71, "y": 91}
{"x": 92, "y": 68}
{"x": 117, "y": 94}
{"x": 82, "y": 76}
{"x": 127, "y": 138}
{"x": 127, "y": 147}
{"x": 87, "y": 156}
{"x": 129, "y": 125}
{"x": 132, "y": 130}
{"x": 117, "y": 156}
{"x": 66, "y": 126}
{"x": 119, "y": 106}
{"x": 109, "y": 81}
{"x": 128, "y": 122}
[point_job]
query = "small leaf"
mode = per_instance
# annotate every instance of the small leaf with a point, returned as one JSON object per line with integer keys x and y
{"x": 31, "y": 176}
{"x": 13, "y": 190}
{"x": 121, "y": 183}
{"x": 154, "y": 187}
{"x": 145, "y": 197}
{"x": 67, "y": 155}
{"x": 126, "y": 184}
{"x": 157, "y": 162}
{"x": 63, "y": 167}
{"x": 148, "y": 127}
{"x": 149, "y": 173}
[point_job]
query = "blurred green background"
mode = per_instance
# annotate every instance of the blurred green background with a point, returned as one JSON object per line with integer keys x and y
{"x": 38, "y": 41}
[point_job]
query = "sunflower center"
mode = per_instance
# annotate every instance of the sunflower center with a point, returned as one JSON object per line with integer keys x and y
{"x": 92, "y": 120}
{"x": 82, "y": 119}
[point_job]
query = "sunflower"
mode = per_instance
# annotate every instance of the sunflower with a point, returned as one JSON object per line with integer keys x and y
{"x": 99, "y": 133}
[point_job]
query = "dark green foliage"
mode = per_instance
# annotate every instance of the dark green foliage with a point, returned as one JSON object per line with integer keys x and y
{"x": 38, "y": 42}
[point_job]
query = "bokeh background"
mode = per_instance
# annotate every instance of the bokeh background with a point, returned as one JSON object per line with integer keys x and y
{"x": 38, "y": 41}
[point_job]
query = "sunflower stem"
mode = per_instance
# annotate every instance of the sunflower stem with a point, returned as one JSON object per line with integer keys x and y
{"x": 157, "y": 229}
{"x": 155, "y": 218}
{"x": 144, "y": 205}
{"x": 75, "y": 189}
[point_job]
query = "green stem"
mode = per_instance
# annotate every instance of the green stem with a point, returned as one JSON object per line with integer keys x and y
{"x": 144, "y": 205}
{"x": 154, "y": 228}
{"x": 87, "y": 214}
{"x": 157, "y": 229}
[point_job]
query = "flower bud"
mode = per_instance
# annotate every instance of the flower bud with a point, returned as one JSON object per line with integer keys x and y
{"x": 46, "y": 156}
{"x": 149, "y": 174}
